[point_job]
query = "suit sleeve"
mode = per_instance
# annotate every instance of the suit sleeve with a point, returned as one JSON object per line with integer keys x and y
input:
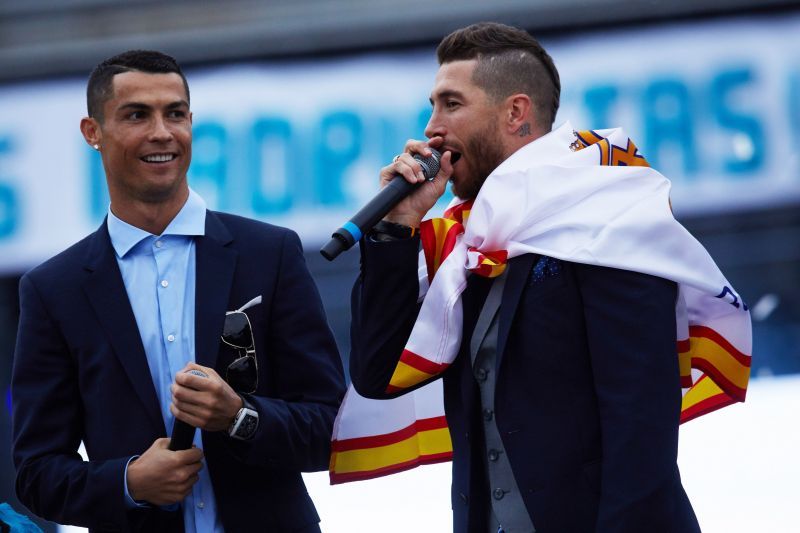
{"x": 52, "y": 479}
{"x": 296, "y": 423}
{"x": 630, "y": 323}
{"x": 384, "y": 308}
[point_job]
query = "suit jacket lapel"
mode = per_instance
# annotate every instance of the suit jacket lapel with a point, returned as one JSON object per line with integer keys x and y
{"x": 215, "y": 265}
{"x": 107, "y": 295}
{"x": 519, "y": 269}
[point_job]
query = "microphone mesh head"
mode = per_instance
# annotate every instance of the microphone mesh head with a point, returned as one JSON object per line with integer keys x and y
{"x": 430, "y": 165}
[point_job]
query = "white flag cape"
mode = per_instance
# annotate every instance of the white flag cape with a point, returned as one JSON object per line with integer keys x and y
{"x": 575, "y": 196}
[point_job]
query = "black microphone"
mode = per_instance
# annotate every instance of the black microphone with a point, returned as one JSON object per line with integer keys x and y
{"x": 377, "y": 208}
{"x": 183, "y": 433}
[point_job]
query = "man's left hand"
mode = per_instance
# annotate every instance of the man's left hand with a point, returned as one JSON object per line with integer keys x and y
{"x": 207, "y": 403}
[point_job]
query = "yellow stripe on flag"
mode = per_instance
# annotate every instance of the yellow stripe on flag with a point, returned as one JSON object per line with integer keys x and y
{"x": 731, "y": 369}
{"x": 407, "y": 376}
{"x": 685, "y": 365}
{"x": 431, "y": 442}
{"x": 701, "y": 391}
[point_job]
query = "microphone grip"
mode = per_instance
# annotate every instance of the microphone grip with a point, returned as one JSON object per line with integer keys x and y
{"x": 183, "y": 433}
{"x": 369, "y": 215}
{"x": 182, "y": 436}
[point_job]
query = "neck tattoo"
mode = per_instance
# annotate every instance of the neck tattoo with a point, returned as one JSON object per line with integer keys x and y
{"x": 524, "y": 130}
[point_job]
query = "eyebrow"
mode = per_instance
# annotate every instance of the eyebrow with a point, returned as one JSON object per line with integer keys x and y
{"x": 446, "y": 94}
{"x": 141, "y": 106}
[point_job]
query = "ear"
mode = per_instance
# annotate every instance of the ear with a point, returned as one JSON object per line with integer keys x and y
{"x": 91, "y": 131}
{"x": 518, "y": 112}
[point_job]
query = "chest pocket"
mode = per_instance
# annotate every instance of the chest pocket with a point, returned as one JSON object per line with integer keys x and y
{"x": 546, "y": 276}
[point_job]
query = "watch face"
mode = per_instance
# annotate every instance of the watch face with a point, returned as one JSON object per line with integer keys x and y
{"x": 248, "y": 426}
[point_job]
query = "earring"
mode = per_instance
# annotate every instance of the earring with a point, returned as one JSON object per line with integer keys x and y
{"x": 96, "y": 147}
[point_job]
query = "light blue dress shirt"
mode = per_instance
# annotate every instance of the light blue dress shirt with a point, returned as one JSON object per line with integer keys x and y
{"x": 159, "y": 276}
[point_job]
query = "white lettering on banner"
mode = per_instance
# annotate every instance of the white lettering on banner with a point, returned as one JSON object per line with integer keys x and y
{"x": 710, "y": 104}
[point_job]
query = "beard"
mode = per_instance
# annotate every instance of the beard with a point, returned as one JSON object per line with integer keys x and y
{"x": 485, "y": 153}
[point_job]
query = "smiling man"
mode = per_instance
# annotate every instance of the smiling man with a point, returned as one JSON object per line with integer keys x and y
{"x": 551, "y": 298}
{"x": 169, "y": 311}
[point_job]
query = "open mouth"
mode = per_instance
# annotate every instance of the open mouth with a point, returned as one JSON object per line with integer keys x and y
{"x": 455, "y": 157}
{"x": 158, "y": 158}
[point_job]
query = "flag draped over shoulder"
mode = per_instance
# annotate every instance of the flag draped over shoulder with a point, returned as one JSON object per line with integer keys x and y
{"x": 581, "y": 196}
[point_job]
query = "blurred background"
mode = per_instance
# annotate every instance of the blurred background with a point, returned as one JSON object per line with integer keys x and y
{"x": 297, "y": 104}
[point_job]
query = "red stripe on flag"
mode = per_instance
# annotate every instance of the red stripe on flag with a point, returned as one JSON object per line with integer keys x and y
{"x": 449, "y": 241}
{"x": 708, "y": 333}
{"x": 393, "y": 469}
{"x": 376, "y": 441}
{"x": 737, "y": 393}
{"x": 429, "y": 245}
{"x": 683, "y": 346}
{"x": 457, "y": 211}
{"x": 708, "y": 405}
{"x": 420, "y": 363}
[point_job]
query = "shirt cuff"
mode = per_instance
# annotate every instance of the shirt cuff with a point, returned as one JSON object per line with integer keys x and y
{"x": 130, "y": 503}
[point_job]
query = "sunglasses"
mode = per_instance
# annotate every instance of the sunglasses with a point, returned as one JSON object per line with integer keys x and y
{"x": 242, "y": 374}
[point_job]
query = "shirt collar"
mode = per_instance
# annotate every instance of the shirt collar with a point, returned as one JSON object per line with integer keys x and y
{"x": 190, "y": 221}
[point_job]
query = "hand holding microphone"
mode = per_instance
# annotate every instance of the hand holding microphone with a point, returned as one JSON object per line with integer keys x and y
{"x": 183, "y": 433}
{"x": 403, "y": 182}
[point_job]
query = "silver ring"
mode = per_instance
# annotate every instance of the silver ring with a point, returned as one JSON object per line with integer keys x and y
{"x": 394, "y": 160}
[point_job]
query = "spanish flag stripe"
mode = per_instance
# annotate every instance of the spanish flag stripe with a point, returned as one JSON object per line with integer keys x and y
{"x": 703, "y": 331}
{"x": 731, "y": 389}
{"x": 405, "y": 376}
{"x": 427, "y": 233}
{"x": 685, "y": 367}
{"x": 420, "y": 363}
{"x": 459, "y": 212}
{"x": 683, "y": 346}
{"x": 375, "y": 441}
{"x": 393, "y": 469}
{"x": 707, "y": 405}
{"x": 435, "y": 441}
{"x": 707, "y": 352}
{"x": 449, "y": 241}
{"x": 704, "y": 397}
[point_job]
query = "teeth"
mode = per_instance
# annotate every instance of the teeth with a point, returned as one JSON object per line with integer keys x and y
{"x": 159, "y": 158}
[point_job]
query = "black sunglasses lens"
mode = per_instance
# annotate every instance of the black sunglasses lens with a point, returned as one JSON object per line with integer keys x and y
{"x": 236, "y": 330}
{"x": 242, "y": 375}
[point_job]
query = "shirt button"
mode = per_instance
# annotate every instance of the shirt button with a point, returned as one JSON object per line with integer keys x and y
{"x": 498, "y": 494}
{"x": 164, "y": 283}
{"x": 481, "y": 374}
{"x": 200, "y": 505}
{"x": 171, "y": 338}
{"x": 159, "y": 244}
{"x": 494, "y": 455}
{"x": 488, "y": 414}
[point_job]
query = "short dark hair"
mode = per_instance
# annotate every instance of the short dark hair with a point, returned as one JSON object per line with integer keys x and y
{"x": 510, "y": 61}
{"x": 100, "y": 87}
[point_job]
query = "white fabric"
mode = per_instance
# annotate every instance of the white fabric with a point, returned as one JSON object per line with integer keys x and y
{"x": 550, "y": 200}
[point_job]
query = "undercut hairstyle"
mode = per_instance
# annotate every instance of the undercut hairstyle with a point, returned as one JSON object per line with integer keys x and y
{"x": 509, "y": 61}
{"x": 100, "y": 88}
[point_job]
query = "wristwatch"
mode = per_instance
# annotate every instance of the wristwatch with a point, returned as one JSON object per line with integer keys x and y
{"x": 245, "y": 423}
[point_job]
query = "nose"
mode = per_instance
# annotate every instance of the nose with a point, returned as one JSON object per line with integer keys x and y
{"x": 435, "y": 126}
{"x": 160, "y": 131}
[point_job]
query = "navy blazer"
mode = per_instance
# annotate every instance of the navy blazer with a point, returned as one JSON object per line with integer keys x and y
{"x": 80, "y": 374}
{"x": 587, "y": 399}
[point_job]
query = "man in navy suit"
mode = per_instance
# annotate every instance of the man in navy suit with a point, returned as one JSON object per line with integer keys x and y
{"x": 169, "y": 311}
{"x": 564, "y": 398}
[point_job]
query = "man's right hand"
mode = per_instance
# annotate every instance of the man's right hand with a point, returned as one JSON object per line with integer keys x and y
{"x": 411, "y": 210}
{"x": 163, "y": 477}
